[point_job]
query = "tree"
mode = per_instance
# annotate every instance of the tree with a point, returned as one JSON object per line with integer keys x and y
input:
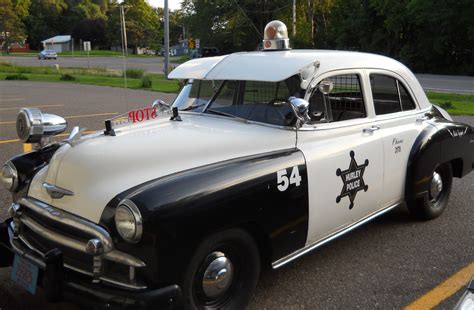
{"x": 142, "y": 24}
{"x": 11, "y": 27}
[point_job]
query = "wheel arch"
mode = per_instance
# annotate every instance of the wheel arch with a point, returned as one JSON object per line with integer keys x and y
{"x": 441, "y": 142}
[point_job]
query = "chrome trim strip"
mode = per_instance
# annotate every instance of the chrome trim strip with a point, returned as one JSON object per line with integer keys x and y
{"x": 50, "y": 235}
{"x": 62, "y": 217}
{"x": 282, "y": 261}
{"x": 124, "y": 259}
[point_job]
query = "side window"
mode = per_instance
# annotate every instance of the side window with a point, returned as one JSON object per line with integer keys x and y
{"x": 344, "y": 102}
{"x": 389, "y": 95}
{"x": 407, "y": 101}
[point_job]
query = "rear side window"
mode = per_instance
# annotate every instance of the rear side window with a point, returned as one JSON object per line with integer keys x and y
{"x": 390, "y": 96}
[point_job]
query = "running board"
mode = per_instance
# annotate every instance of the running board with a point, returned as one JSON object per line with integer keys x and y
{"x": 285, "y": 260}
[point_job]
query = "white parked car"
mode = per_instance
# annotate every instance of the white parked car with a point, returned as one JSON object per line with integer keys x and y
{"x": 47, "y": 54}
{"x": 266, "y": 156}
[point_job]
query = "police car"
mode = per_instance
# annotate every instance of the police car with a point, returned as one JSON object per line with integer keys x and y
{"x": 262, "y": 157}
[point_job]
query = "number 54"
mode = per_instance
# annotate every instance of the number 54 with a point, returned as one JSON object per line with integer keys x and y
{"x": 284, "y": 182}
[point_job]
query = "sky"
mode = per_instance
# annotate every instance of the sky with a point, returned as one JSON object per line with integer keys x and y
{"x": 173, "y": 4}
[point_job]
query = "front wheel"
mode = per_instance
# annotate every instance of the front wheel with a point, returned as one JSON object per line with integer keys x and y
{"x": 223, "y": 272}
{"x": 436, "y": 199}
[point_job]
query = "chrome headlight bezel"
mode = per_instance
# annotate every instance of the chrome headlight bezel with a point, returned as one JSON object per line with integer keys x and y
{"x": 9, "y": 176}
{"x": 127, "y": 215}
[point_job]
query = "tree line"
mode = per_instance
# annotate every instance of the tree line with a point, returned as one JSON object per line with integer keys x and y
{"x": 427, "y": 35}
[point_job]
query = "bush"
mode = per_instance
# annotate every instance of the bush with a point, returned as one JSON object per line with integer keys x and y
{"x": 146, "y": 82}
{"x": 5, "y": 63}
{"x": 19, "y": 76}
{"x": 135, "y": 73}
{"x": 67, "y": 77}
{"x": 446, "y": 105}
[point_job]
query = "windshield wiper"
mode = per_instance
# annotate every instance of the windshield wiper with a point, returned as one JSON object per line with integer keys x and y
{"x": 219, "y": 113}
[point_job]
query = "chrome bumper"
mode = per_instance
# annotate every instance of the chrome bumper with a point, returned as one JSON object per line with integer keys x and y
{"x": 25, "y": 215}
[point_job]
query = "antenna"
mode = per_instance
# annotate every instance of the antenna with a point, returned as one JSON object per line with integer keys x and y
{"x": 123, "y": 33}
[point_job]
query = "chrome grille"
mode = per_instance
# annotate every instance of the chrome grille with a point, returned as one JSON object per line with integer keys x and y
{"x": 38, "y": 227}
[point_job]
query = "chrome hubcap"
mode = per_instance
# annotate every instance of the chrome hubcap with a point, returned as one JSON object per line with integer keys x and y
{"x": 436, "y": 186}
{"x": 218, "y": 275}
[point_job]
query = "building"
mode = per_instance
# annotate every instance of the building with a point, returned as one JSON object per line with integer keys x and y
{"x": 58, "y": 43}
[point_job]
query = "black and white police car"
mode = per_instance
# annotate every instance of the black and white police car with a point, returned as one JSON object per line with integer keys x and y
{"x": 266, "y": 156}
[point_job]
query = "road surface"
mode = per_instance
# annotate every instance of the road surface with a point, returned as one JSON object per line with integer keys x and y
{"x": 443, "y": 83}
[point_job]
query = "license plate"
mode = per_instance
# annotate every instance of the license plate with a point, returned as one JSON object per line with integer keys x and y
{"x": 25, "y": 274}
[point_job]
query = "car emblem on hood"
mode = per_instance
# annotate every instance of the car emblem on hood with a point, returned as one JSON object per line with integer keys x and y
{"x": 56, "y": 192}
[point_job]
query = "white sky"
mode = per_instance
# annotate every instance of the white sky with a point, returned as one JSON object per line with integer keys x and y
{"x": 173, "y": 4}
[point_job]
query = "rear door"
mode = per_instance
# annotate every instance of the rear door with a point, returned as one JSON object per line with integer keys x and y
{"x": 399, "y": 118}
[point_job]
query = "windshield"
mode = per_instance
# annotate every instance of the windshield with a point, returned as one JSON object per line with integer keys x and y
{"x": 258, "y": 101}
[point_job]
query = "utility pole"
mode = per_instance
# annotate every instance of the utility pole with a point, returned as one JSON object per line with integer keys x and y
{"x": 167, "y": 39}
{"x": 294, "y": 18}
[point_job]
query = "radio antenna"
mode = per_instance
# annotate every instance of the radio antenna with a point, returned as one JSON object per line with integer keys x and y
{"x": 123, "y": 33}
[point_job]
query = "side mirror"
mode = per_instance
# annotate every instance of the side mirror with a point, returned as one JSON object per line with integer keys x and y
{"x": 325, "y": 86}
{"x": 160, "y": 106}
{"x": 300, "y": 108}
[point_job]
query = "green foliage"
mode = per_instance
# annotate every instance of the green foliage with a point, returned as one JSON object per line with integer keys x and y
{"x": 67, "y": 77}
{"x": 135, "y": 73}
{"x": 146, "y": 81}
{"x": 10, "y": 23}
{"x": 446, "y": 105}
{"x": 19, "y": 76}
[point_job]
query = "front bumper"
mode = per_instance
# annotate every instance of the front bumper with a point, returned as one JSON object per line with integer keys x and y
{"x": 61, "y": 284}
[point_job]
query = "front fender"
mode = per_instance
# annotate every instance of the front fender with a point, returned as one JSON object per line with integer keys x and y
{"x": 181, "y": 209}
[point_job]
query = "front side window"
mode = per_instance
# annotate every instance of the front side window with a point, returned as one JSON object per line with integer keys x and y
{"x": 196, "y": 94}
{"x": 343, "y": 102}
{"x": 390, "y": 96}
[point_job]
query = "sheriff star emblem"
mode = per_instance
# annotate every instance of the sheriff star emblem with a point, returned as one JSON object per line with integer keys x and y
{"x": 353, "y": 180}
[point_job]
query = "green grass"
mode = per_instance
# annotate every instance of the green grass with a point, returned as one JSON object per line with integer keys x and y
{"x": 461, "y": 104}
{"x": 101, "y": 77}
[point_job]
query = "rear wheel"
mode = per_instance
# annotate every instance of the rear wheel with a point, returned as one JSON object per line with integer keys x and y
{"x": 436, "y": 199}
{"x": 222, "y": 273}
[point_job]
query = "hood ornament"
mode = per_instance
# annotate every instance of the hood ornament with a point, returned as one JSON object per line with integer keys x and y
{"x": 56, "y": 192}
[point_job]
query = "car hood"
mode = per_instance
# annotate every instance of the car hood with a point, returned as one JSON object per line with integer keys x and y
{"x": 98, "y": 168}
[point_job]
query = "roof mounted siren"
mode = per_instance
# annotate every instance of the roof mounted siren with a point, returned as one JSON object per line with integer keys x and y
{"x": 276, "y": 36}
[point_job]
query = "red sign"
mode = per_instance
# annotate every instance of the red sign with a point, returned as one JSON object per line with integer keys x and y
{"x": 142, "y": 115}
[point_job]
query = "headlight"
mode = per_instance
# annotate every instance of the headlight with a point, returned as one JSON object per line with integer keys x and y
{"x": 9, "y": 176}
{"x": 128, "y": 221}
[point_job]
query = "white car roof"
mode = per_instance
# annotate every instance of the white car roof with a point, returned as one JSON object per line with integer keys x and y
{"x": 274, "y": 66}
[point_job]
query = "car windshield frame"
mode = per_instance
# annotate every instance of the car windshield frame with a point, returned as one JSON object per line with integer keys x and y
{"x": 254, "y": 101}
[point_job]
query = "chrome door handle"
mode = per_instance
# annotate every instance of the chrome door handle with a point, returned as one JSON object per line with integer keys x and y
{"x": 424, "y": 118}
{"x": 371, "y": 129}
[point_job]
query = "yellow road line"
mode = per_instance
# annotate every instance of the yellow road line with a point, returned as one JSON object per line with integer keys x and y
{"x": 12, "y": 99}
{"x": 27, "y": 147}
{"x": 69, "y": 117}
{"x": 61, "y": 135}
{"x": 91, "y": 115}
{"x": 36, "y": 106}
{"x": 444, "y": 290}
{"x": 9, "y": 141}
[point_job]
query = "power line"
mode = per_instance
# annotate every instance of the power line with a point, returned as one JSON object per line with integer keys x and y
{"x": 255, "y": 27}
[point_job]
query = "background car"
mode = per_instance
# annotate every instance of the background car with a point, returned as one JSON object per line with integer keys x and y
{"x": 47, "y": 54}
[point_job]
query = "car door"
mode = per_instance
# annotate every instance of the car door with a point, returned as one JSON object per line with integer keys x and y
{"x": 399, "y": 118}
{"x": 344, "y": 156}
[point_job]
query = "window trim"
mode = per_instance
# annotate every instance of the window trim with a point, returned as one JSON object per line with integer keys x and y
{"x": 399, "y": 79}
{"x": 360, "y": 72}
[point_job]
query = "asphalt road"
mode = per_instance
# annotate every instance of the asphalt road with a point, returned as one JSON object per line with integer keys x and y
{"x": 444, "y": 83}
{"x": 385, "y": 264}
{"x": 150, "y": 64}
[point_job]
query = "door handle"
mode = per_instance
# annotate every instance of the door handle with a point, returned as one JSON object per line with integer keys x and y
{"x": 371, "y": 129}
{"x": 421, "y": 119}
